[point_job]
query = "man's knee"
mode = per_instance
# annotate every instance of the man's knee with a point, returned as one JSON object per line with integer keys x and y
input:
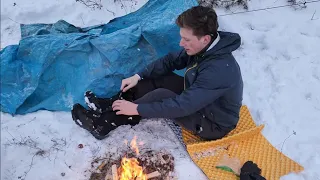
{"x": 164, "y": 92}
{"x": 142, "y": 88}
{"x": 156, "y": 95}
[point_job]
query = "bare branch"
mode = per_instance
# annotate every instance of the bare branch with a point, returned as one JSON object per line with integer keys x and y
{"x": 298, "y": 5}
{"x": 224, "y": 3}
{"x": 294, "y": 133}
{"x": 82, "y": 20}
{"x": 27, "y": 122}
{"x": 313, "y": 16}
{"x": 113, "y": 13}
{"x": 91, "y": 3}
{"x": 13, "y": 20}
{"x": 25, "y": 141}
{"x": 30, "y": 167}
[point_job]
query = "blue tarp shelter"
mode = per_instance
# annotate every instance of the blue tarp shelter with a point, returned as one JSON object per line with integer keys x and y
{"x": 54, "y": 64}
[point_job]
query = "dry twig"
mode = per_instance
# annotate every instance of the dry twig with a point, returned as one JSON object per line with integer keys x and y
{"x": 312, "y": 18}
{"x": 91, "y": 3}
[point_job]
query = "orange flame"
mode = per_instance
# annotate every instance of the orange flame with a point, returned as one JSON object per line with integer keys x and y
{"x": 134, "y": 146}
{"x": 130, "y": 168}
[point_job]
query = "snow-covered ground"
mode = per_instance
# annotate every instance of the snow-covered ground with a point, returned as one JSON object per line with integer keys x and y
{"x": 280, "y": 62}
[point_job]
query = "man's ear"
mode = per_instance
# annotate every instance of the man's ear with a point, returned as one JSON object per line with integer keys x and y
{"x": 206, "y": 39}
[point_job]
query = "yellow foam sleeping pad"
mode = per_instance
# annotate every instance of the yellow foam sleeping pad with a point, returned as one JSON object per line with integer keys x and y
{"x": 245, "y": 143}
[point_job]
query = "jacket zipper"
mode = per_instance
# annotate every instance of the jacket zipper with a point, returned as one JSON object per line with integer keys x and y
{"x": 184, "y": 79}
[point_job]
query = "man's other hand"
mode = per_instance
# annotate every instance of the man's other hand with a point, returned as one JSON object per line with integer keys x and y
{"x": 130, "y": 82}
{"x": 125, "y": 107}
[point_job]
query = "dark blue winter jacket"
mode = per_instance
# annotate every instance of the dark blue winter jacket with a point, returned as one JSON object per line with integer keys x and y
{"x": 213, "y": 84}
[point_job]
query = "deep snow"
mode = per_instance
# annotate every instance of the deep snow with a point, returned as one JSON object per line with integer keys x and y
{"x": 280, "y": 62}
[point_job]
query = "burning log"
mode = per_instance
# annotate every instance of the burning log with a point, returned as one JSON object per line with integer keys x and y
{"x": 114, "y": 172}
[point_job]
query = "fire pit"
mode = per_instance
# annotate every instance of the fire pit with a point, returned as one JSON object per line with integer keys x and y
{"x": 135, "y": 165}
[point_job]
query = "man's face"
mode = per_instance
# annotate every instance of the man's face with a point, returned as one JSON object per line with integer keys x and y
{"x": 191, "y": 43}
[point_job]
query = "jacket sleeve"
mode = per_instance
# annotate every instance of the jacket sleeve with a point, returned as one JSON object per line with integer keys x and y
{"x": 210, "y": 84}
{"x": 164, "y": 65}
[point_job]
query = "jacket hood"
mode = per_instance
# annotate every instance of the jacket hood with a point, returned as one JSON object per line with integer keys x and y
{"x": 228, "y": 43}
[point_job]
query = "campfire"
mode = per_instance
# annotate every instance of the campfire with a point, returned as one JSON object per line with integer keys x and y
{"x": 130, "y": 168}
{"x": 135, "y": 165}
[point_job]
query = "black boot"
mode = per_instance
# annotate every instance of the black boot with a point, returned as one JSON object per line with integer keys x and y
{"x": 101, "y": 105}
{"x": 90, "y": 121}
{"x": 117, "y": 120}
{"x": 109, "y": 121}
{"x": 100, "y": 125}
{"x": 83, "y": 117}
{"x": 102, "y": 131}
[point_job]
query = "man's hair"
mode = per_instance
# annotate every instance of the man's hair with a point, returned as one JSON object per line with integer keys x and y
{"x": 202, "y": 20}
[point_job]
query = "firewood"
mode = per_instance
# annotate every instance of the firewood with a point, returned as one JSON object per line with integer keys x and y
{"x": 162, "y": 160}
{"x": 108, "y": 177}
{"x": 101, "y": 166}
{"x": 171, "y": 176}
{"x": 153, "y": 175}
{"x": 114, "y": 172}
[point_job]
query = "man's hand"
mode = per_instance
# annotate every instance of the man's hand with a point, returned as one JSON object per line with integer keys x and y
{"x": 125, "y": 107}
{"x": 129, "y": 82}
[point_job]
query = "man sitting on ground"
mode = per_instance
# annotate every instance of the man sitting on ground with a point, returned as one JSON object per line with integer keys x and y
{"x": 206, "y": 100}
